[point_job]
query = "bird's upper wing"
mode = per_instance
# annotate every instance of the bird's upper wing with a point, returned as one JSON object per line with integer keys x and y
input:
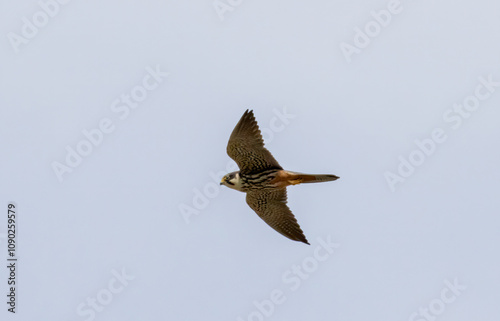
{"x": 270, "y": 205}
{"x": 246, "y": 147}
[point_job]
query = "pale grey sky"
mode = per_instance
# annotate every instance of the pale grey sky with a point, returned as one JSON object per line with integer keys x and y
{"x": 115, "y": 120}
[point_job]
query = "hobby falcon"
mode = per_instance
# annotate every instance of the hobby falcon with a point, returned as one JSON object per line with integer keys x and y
{"x": 263, "y": 179}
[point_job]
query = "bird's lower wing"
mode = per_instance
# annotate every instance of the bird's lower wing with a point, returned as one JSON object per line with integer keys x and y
{"x": 271, "y": 206}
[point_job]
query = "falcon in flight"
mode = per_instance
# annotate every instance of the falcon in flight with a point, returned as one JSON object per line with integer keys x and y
{"x": 263, "y": 179}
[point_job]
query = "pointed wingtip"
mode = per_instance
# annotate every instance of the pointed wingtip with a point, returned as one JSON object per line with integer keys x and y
{"x": 303, "y": 240}
{"x": 248, "y": 113}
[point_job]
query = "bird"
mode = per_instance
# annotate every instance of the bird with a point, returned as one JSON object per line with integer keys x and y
{"x": 263, "y": 179}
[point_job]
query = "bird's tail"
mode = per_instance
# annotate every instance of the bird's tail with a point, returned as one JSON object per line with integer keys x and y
{"x": 299, "y": 178}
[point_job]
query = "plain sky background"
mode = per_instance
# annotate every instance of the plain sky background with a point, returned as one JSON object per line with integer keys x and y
{"x": 121, "y": 208}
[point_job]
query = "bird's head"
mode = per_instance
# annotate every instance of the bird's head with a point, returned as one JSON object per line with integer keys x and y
{"x": 232, "y": 180}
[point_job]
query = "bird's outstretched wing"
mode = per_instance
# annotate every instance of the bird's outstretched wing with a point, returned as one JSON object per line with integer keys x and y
{"x": 270, "y": 205}
{"x": 246, "y": 147}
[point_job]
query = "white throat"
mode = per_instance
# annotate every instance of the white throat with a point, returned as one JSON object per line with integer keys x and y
{"x": 236, "y": 181}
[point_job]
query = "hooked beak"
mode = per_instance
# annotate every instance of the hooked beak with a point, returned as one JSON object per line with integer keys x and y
{"x": 222, "y": 182}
